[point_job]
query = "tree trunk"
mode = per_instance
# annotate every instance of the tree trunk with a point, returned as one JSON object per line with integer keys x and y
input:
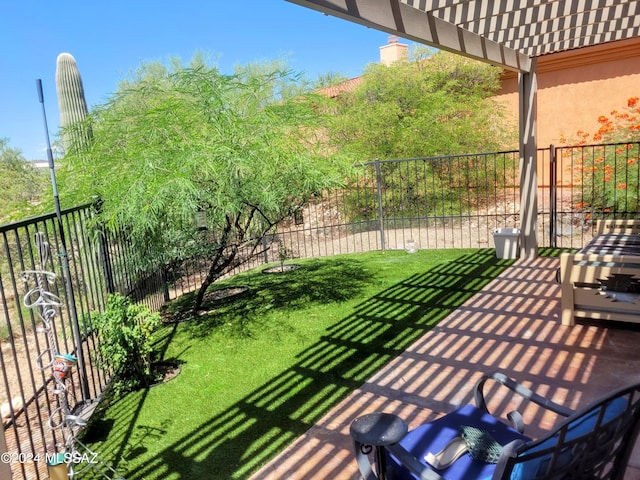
{"x": 228, "y": 250}
{"x": 217, "y": 267}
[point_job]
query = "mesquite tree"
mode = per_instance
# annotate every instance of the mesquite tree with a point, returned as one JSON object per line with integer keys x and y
{"x": 174, "y": 141}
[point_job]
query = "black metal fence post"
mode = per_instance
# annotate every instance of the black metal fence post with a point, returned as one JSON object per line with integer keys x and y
{"x": 165, "y": 284}
{"x": 380, "y": 210}
{"x": 105, "y": 258}
{"x": 553, "y": 196}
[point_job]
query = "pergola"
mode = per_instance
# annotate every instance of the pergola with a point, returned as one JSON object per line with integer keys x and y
{"x": 506, "y": 33}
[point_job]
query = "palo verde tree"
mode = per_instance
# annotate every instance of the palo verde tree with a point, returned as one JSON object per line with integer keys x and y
{"x": 185, "y": 138}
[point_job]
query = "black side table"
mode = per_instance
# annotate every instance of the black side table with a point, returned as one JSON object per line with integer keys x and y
{"x": 375, "y": 430}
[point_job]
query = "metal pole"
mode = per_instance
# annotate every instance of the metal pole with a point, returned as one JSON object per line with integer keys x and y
{"x": 380, "y": 212}
{"x": 553, "y": 200}
{"x": 105, "y": 258}
{"x": 66, "y": 273}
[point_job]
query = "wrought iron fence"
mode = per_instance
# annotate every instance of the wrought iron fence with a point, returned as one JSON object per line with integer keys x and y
{"x": 445, "y": 202}
{"x": 27, "y": 386}
{"x": 87, "y": 264}
{"x": 458, "y": 201}
{"x": 592, "y": 182}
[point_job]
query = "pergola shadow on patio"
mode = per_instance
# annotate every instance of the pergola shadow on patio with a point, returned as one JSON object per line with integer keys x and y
{"x": 512, "y": 325}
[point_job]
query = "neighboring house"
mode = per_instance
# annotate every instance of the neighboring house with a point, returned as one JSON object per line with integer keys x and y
{"x": 577, "y": 86}
{"x": 346, "y": 86}
{"x": 389, "y": 53}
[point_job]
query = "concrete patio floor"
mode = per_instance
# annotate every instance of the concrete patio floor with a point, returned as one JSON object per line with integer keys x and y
{"x": 512, "y": 325}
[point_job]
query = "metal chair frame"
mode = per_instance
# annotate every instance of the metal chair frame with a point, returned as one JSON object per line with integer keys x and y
{"x": 594, "y": 442}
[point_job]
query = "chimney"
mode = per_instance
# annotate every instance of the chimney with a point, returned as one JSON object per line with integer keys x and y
{"x": 393, "y": 51}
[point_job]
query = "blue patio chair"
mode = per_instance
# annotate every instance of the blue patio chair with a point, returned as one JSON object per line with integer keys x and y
{"x": 470, "y": 443}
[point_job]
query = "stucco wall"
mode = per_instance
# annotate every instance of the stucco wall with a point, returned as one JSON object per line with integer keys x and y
{"x": 576, "y": 87}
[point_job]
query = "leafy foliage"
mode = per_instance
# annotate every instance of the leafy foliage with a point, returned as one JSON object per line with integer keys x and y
{"x": 284, "y": 254}
{"x": 176, "y": 139}
{"x": 608, "y": 174}
{"x": 426, "y": 106}
{"x": 21, "y": 184}
{"x": 430, "y": 105}
{"x": 125, "y": 331}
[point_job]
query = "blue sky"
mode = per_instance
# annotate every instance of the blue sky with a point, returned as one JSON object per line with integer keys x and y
{"x": 110, "y": 39}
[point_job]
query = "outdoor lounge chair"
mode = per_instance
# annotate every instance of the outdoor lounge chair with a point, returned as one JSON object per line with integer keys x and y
{"x": 470, "y": 443}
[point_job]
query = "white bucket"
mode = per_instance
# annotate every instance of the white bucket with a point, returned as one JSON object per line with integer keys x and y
{"x": 507, "y": 242}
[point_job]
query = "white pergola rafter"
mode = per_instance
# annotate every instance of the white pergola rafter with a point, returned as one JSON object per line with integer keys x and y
{"x": 506, "y": 33}
{"x": 538, "y": 27}
{"x": 558, "y": 26}
{"x": 399, "y": 18}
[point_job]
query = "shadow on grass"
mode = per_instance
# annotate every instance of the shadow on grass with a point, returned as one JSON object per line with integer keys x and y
{"x": 318, "y": 281}
{"x": 237, "y": 442}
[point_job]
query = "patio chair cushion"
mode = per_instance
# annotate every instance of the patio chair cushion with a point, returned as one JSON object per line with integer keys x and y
{"x": 583, "y": 425}
{"x": 434, "y": 436}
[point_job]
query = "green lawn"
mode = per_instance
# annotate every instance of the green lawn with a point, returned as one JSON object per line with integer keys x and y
{"x": 261, "y": 369}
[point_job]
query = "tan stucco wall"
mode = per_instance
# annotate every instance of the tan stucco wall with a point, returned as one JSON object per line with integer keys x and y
{"x": 576, "y": 87}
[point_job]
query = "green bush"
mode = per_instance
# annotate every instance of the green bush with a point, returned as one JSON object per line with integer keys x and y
{"x": 607, "y": 176}
{"x": 125, "y": 332}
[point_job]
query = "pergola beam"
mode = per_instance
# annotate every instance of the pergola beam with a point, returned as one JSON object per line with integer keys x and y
{"x": 528, "y": 92}
{"x": 398, "y": 18}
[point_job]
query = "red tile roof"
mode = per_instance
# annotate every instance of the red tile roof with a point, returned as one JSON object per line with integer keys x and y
{"x": 335, "y": 90}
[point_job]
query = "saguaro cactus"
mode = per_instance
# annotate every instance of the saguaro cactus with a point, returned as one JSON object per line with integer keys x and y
{"x": 71, "y": 103}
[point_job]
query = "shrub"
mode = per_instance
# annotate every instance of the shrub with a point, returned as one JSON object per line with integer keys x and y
{"x": 284, "y": 254}
{"x": 125, "y": 332}
{"x": 608, "y": 174}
